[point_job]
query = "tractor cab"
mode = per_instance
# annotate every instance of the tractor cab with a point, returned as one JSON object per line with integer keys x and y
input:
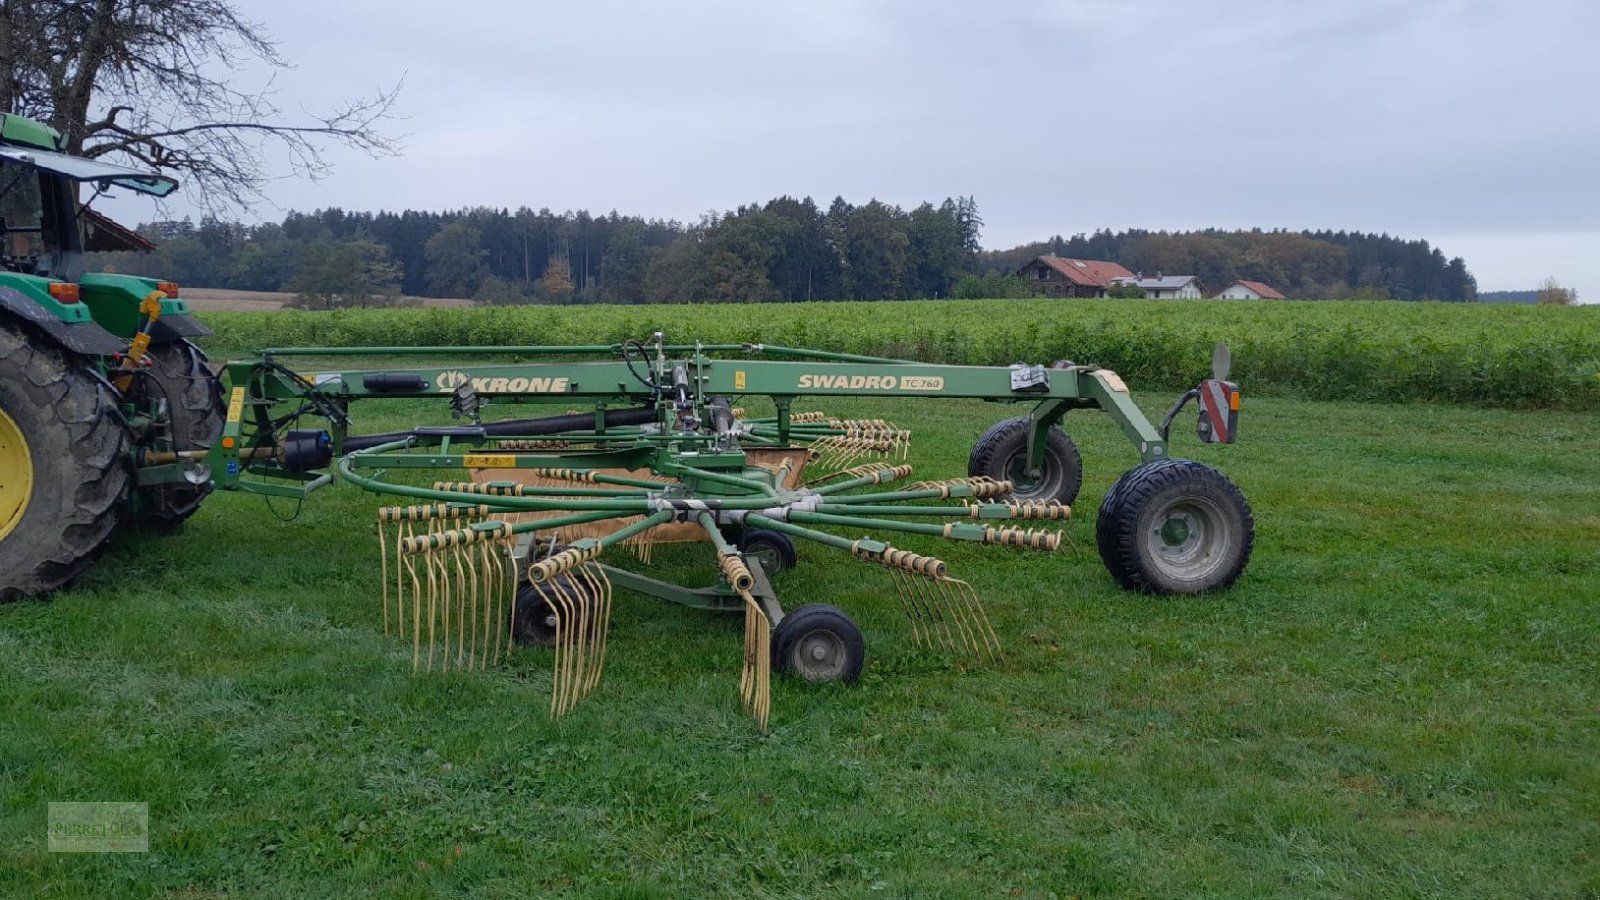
{"x": 40, "y": 228}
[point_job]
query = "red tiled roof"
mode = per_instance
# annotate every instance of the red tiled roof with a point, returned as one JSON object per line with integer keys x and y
{"x": 1265, "y": 292}
{"x": 101, "y": 233}
{"x": 1087, "y": 272}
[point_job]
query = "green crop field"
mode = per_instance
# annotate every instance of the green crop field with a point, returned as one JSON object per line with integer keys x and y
{"x": 1489, "y": 354}
{"x": 1400, "y": 698}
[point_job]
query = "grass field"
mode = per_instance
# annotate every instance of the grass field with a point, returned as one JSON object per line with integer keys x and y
{"x": 1400, "y": 698}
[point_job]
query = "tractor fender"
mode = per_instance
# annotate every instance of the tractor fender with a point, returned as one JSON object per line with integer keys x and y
{"x": 176, "y": 327}
{"x": 87, "y": 338}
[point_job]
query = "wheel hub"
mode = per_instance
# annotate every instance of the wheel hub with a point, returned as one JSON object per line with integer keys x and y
{"x": 819, "y": 655}
{"x": 1188, "y": 537}
{"x": 1176, "y": 530}
{"x": 16, "y": 475}
{"x": 1028, "y": 480}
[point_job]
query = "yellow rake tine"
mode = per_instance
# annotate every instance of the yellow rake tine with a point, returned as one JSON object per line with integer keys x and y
{"x": 971, "y": 597}
{"x": 936, "y": 622}
{"x": 461, "y": 605}
{"x": 912, "y": 614}
{"x": 383, "y": 557}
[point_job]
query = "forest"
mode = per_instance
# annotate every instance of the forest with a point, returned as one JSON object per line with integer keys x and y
{"x": 785, "y": 250}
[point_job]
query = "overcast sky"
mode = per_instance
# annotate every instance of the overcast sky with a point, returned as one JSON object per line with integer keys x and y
{"x": 1472, "y": 123}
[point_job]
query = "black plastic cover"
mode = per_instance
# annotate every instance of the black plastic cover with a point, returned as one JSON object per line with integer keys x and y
{"x": 394, "y": 382}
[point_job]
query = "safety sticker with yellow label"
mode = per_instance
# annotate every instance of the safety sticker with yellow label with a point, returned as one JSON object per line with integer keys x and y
{"x": 236, "y": 405}
{"x": 489, "y": 461}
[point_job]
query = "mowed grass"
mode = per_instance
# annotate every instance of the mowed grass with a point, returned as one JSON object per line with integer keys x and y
{"x": 1400, "y": 698}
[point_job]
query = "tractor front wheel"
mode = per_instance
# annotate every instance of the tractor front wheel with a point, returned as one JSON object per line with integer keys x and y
{"x": 819, "y": 642}
{"x": 1002, "y": 454}
{"x": 64, "y": 466}
{"x": 1175, "y": 526}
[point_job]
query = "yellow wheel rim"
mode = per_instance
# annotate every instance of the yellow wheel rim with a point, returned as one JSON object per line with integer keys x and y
{"x": 16, "y": 475}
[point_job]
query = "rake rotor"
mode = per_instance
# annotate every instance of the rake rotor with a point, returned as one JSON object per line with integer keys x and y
{"x": 479, "y": 549}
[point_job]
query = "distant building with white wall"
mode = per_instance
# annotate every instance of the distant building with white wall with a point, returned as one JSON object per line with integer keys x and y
{"x": 1166, "y": 287}
{"x": 1248, "y": 290}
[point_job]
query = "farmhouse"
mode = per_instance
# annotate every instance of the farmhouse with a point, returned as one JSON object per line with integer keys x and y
{"x": 1166, "y": 287}
{"x": 1248, "y": 290}
{"x": 1055, "y": 276}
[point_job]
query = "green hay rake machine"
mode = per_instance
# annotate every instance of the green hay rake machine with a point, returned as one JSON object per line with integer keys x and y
{"x": 512, "y": 531}
{"x": 512, "y": 534}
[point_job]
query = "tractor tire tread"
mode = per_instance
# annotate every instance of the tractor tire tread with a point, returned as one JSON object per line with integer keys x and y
{"x": 194, "y": 396}
{"x": 80, "y": 445}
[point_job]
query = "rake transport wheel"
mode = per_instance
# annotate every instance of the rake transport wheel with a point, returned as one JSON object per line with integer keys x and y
{"x": 64, "y": 465}
{"x": 1002, "y": 454}
{"x": 1175, "y": 526}
{"x": 178, "y": 374}
{"x": 819, "y": 642}
{"x": 775, "y": 551}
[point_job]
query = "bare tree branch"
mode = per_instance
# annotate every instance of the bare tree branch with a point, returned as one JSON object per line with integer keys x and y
{"x": 151, "y": 81}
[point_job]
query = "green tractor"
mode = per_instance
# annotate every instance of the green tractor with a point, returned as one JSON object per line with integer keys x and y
{"x": 96, "y": 369}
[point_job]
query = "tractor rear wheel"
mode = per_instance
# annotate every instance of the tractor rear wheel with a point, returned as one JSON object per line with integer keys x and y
{"x": 1002, "y": 454}
{"x": 64, "y": 466}
{"x": 1175, "y": 526}
{"x": 179, "y": 375}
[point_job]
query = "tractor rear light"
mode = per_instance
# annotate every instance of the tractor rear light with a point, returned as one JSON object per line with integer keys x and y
{"x": 64, "y": 291}
{"x": 170, "y": 288}
{"x": 1233, "y": 400}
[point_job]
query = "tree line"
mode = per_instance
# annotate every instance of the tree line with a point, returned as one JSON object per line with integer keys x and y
{"x": 1331, "y": 265}
{"x": 784, "y": 250}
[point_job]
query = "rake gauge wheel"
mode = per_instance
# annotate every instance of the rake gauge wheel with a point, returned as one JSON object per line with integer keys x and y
{"x": 1175, "y": 526}
{"x": 534, "y": 615}
{"x": 819, "y": 642}
{"x": 775, "y": 551}
{"x": 1002, "y": 454}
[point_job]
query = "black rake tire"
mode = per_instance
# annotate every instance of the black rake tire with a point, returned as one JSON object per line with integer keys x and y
{"x": 775, "y": 550}
{"x": 1175, "y": 526}
{"x": 178, "y": 373}
{"x": 1002, "y": 452}
{"x": 819, "y": 643}
{"x": 77, "y": 445}
{"x": 533, "y": 618}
